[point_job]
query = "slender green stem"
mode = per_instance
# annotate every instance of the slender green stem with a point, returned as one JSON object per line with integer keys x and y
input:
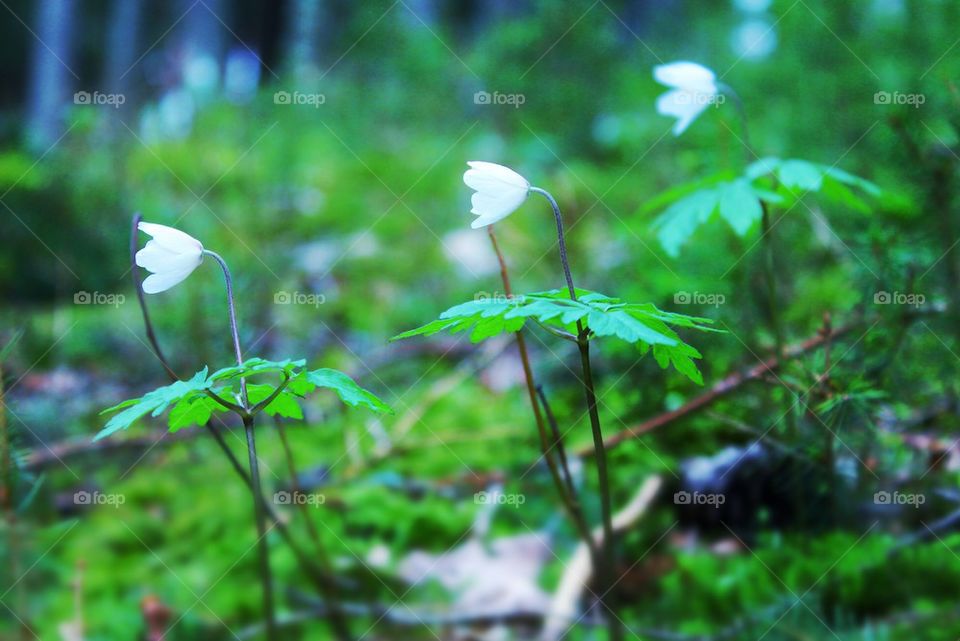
{"x": 603, "y": 478}
{"x": 771, "y": 280}
{"x": 319, "y": 578}
{"x": 769, "y": 251}
{"x": 766, "y": 227}
{"x": 742, "y": 113}
{"x": 561, "y": 240}
{"x": 338, "y": 621}
{"x": 567, "y": 495}
{"x": 606, "y": 571}
{"x": 266, "y": 578}
{"x": 231, "y": 306}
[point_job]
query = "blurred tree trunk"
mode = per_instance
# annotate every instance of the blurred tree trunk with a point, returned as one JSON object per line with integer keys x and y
{"x": 50, "y": 85}
{"x": 304, "y": 34}
{"x": 123, "y": 39}
{"x": 422, "y": 12}
{"x": 204, "y": 31}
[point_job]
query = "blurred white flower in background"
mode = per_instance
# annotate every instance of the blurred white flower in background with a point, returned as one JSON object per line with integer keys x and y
{"x": 694, "y": 88}
{"x": 752, "y": 6}
{"x": 241, "y": 75}
{"x": 470, "y": 252}
{"x": 499, "y": 191}
{"x": 170, "y": 255}
{"x": 755, "y": 39}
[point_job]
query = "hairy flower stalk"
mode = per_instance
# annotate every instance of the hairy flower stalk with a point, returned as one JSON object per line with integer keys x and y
{"x": 266, "y": 578}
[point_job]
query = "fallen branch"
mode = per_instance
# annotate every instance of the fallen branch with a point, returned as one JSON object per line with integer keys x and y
{"x": 724, "y": 387}
{"x": 56, "y": 453}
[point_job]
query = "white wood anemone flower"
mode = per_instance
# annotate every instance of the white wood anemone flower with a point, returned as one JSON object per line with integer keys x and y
{"x": 170, "y": 255}
{"x": 499, "y": 191}
{"x": 693, "y": 89}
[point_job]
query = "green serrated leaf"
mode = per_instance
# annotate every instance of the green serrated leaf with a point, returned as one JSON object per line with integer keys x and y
{"x": 739, "y": 206}
{"x": 679, "y": 222}
{"x": 762, "y": 167}
{"x": 801, "y": 174}
{"x": 674, "y": 194}
{"x": 286, "y": 404}
{"x": 640, "y": 324}
{"x": 347, "y": 389}
{"x": 431, "y": 328}
{"x": 154, "y": 403}
{"x": 854, "y": 181}
{"x": 254, "y": 366}
{"x": 191, "y": 411}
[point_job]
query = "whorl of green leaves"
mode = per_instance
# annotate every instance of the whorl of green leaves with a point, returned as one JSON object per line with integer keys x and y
{"x": 192, "y": 405}
{"x": 738, "y": 200}
{"x": 638, "y": 323}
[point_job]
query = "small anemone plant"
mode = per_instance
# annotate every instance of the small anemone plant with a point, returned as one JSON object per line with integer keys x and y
{"x": 243, "y": 389}
{"x": 749, "y": 199}
{"x": 579, "y": 316}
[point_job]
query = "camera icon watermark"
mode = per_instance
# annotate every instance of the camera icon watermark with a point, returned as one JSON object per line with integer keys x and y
{"x": 496, "y": 98}
{"x": 898, "y": 98}
{"x": 498, "y": 498}
{"x": 698, "y": 298}
{"x": 899, "y": 498}
{"x": 298, "y": 298}
{"x": 699, "y": 498}
{"x": 701, "y": 98}
{"x": 299, "y": 498}
{"x": 98, "y": 498}
{"x": 299, "y": 98}
{"x": 114, "y": 100}
{"x": 898, "y": 298}
{"x": 98, "y": 298}
{"x": 492, "y": 297}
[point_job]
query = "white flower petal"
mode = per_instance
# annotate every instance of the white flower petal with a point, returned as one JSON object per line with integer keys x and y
{"x": 171, "y": 255}
{"x": 172, "y": 239}
{"x": 482, "y": 174}
{"x": 694, "y": 89}
{"x": 162, "y": 281}
{"x": 682, "y": 105}
{"x": 497, "y": 206}
{"x": 686, "y": 75}
{"x": 498, "y": 191}
{"x": 155, "y": 258}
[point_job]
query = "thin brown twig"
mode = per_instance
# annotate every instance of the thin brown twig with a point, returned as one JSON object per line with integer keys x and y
{"x": 557, "y": 440}
{"x": 724, "y": 387}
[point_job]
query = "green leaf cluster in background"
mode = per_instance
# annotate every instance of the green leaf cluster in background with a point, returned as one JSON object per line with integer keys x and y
{"x": 740, "y": 200}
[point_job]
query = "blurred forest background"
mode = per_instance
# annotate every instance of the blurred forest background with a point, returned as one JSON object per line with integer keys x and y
{"x": 319, "y": 146}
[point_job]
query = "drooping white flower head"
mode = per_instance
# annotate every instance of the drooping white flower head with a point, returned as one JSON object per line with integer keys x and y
{"x": 171, "y": 255}
{"x": 694, "y": 88}
{"x": 498, "y": 191}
